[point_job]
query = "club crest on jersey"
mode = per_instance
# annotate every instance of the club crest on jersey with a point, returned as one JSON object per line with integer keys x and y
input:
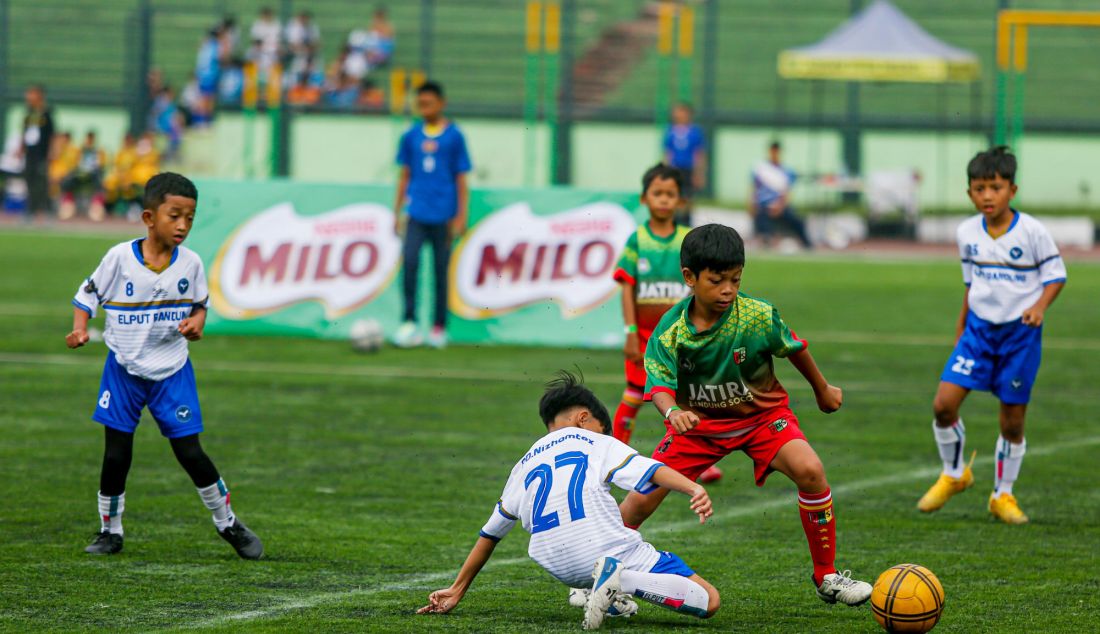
{"x": 183, "y": 285}
{"x": 183, "y": 414}
{"x": 739, "y": 355}
{"x": 644, "y": 266}
{"x": 778, "y": 425}
{"x": 820, "y": 518}
{"x": 90, "y": 287}
{"x": 428, "y": 146}
{"x": 1016, "y": 252}
{"x": 686, "y": 364}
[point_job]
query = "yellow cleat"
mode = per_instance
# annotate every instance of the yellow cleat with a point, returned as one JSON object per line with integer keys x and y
{"x": 1005, "y": 508}
{"x": 945, "y": 488}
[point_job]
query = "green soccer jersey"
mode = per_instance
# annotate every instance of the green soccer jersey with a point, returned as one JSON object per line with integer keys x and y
{"x": 651, "y": 264}
{"x": 725, "y": 373}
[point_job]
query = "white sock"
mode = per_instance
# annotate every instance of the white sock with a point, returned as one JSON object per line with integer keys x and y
{"x": 951, "y": 441}
{"x": 110, "y": 512}
{"x": 1009, "y": 459}
{"x": 216, "y": 498}
{"x": 673, "y": 592}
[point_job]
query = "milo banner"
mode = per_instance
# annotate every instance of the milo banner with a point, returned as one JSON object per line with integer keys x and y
{"x": 308, "y": 259}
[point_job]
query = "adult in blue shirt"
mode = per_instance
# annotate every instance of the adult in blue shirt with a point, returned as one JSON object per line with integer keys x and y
{"x": 685, "y": 149}
{"x": 770, "y": 200}
{"x": 434, "y": 163}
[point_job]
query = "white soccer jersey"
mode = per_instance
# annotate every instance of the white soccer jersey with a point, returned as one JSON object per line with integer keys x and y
{"x": 560, "y": 490}
{"x": 143, "y": 308}
{"x": 1006, "y": 275}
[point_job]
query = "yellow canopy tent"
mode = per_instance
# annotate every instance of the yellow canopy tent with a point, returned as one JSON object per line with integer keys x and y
{"x": 880, "y": 43}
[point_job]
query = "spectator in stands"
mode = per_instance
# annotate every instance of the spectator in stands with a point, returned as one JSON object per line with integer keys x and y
{"x": 207, "y": 73}
{"x": 230, "y": 38}
{"x": 231, "y": 84}
{"x": 35, "y": 150}
{"x": 342, "y": 92}
{"x": 86, "y": 177}
{"x": 269, "y": 32}
{"x": 381, "y": 40}
{"x": 685, "y": 149}
{"x": 302, "y": 34}
{"x": 304, "y": 92}
{"x": 370, "y": 95}
{"x": 770, "y": 201}
{"x": 64, "y": 157}
{"x": 118, "y": 184}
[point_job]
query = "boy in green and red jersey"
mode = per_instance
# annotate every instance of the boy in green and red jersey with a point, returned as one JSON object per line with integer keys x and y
{"x": 649, "y": 272}
{"x": 710, "y": 373}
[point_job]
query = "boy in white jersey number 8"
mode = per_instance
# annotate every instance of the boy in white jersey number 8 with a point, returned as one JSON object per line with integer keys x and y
{"x": 1013, "y": 273}
{"x": 560, "y": 491}
{"x": 153, "y": 293}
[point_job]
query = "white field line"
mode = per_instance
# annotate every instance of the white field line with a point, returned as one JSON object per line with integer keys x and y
{"x": 424, "y": 581}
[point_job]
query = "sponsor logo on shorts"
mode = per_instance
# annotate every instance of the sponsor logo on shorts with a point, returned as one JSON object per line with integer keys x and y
{"x": 665, "y": 444}
{"x": 820, "y": 517}
{"x": 183, "y": 414}
{"x": 183, "y": 285}
{"x": 1017, "y": 384}
{"x": 739, "y": 355}
{"x": 778, "y": 425}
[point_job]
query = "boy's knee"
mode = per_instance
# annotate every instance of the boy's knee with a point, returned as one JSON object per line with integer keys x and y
{"x": 713, "y": 602}
{"x": 809, "y": 475}
{"x": 946, "y": 413}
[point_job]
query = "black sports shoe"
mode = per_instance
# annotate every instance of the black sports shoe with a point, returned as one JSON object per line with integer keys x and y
{"x": 246, "y": 542}
{"x": 106, "y": 543}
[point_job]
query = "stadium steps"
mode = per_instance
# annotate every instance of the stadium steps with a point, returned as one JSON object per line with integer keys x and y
{"x": 606, "y": 64}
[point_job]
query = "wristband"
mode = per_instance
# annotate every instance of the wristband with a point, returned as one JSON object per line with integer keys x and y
{"x": 630, "y": 329}
{"x": 669, "y": 411}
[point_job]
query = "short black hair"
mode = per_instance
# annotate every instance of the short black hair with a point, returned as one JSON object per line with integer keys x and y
{"x": 994, "y": 162}
{"x": 715, "y": 247}
{"x": 774, "y": 145}
{"x": 433, "y": 87}
{"x": 662, "y": 170}
{"x": 564, "y": 392}
{"x": 167, "y": 184}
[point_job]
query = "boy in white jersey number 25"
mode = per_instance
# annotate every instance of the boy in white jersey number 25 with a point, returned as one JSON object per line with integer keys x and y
{"x": 1013, "y": 273}
{"x": 153, "y": 293}
{"x": 560, "y": 491}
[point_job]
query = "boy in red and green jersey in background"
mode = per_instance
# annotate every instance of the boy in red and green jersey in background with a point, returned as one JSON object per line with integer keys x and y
{"x": 709, "y": 365}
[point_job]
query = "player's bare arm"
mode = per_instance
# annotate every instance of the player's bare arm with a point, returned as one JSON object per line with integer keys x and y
{"x": 461, "y": 219}
{"x": 191, "y": 328}
{"x": 681, "y": 420}
{"x": 444, "y": 600}
{"x": 700, "y": 500}
{"x": 960, "y": 326}
{"x": 632, "y": 348}
{"x": 399, "y": 199}
{"x": 79, "y": 336}
{"x": 1034, "y": 316}
{"x": 829, "y": 397}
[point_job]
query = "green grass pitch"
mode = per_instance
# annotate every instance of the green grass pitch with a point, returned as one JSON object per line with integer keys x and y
{"x": 368, "y": 477}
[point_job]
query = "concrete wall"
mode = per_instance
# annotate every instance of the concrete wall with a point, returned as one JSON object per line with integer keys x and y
{"x": 1056, "y": 170}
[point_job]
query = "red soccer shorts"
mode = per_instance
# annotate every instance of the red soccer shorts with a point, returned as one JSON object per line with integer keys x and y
{"x": 635, "y": 370}
{"x": 692, "y": 455}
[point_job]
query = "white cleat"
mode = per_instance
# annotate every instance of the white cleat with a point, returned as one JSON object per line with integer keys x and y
{"x": 437, "y": 338}
{"x": 407, "y": 336}
{"x": 840, "y": 587}
{"x": 623, "y": 606}
{"x": 605, "y": 588}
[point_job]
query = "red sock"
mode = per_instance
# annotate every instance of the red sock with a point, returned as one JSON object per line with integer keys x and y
{"x": 623, "y": 424}
{"x": 816, "y": 511}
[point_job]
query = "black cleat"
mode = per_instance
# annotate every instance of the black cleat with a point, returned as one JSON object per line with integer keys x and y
{"x": 247, "y": 544}
{"x": 106, "y": 543}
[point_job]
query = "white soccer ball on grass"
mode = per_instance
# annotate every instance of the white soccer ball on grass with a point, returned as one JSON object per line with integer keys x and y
{"x": 367, "y": 335}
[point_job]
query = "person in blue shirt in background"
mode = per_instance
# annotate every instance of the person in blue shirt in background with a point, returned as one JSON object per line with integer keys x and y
{"x": 685, "y": 149}
{"x": 770, "y": 200}
{"x": 434, "y": 163}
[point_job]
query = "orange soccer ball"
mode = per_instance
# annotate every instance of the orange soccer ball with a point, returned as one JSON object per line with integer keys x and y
{"x": 907, "y": 598}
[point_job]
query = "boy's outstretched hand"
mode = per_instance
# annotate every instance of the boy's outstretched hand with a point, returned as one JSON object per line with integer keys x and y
{"x": 76, "y": 338}
{"x": 441, "y": 601}
{"x": 830, "y": 399}
{"x": 700, "y": 504}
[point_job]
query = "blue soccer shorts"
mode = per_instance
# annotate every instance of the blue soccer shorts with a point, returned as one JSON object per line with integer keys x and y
{"x": 173, "y": 402}
{"x": 671, "y": 564}
{"x": 998, "y": 358}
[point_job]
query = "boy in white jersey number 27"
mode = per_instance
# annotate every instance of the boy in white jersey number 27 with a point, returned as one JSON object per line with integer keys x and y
{"x": 153, "y": 293}
{"x": 560, "y": 491}
{"x": 1013, "y": 273}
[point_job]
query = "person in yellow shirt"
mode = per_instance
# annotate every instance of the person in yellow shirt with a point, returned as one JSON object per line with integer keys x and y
{"x": 64, "y": 157}
{"x": 118, "y": 184}
{"x": 85, "y": 175}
